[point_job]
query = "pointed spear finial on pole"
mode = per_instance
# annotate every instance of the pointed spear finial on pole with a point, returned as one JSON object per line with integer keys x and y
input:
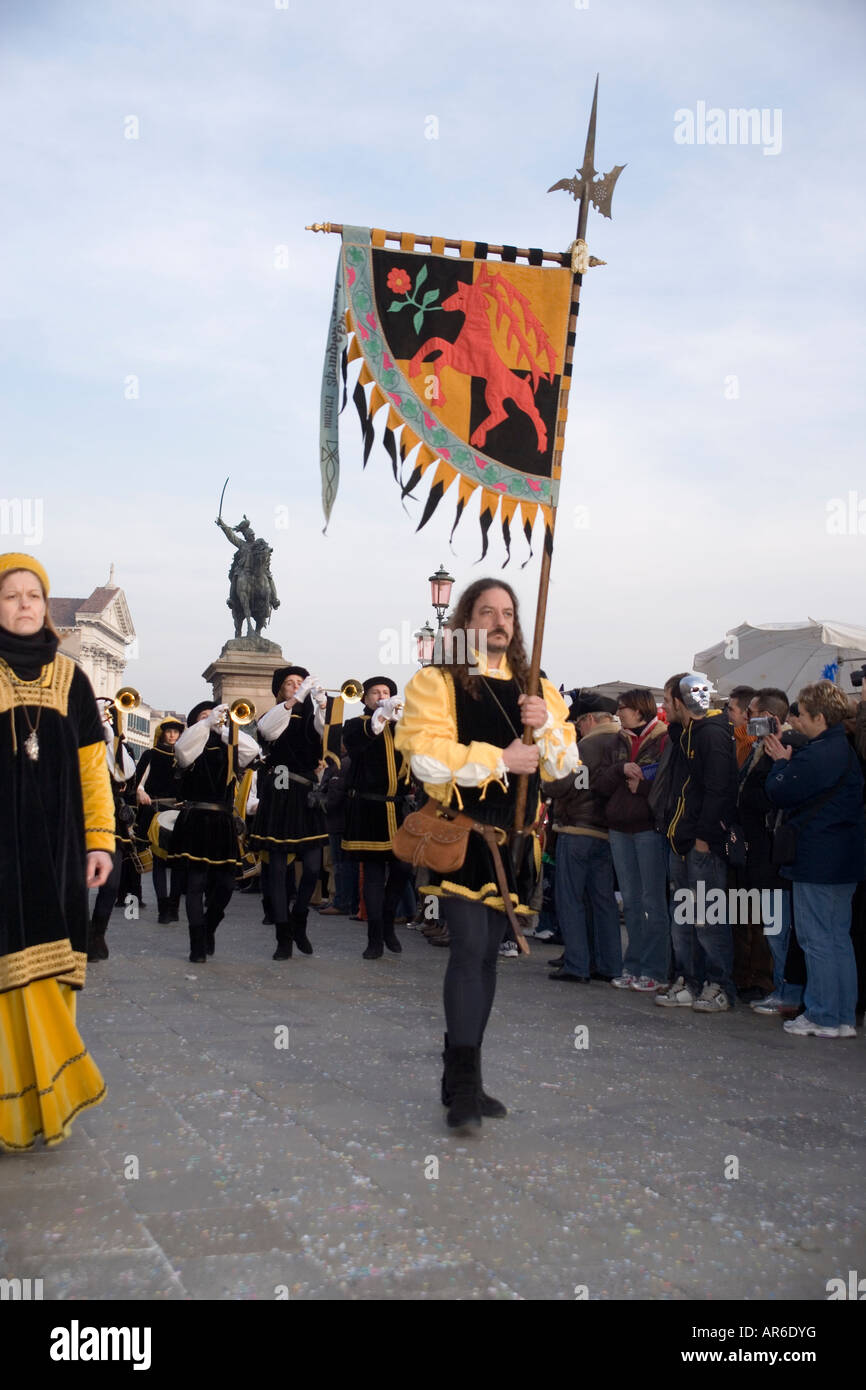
{"x": 584, "y": 187}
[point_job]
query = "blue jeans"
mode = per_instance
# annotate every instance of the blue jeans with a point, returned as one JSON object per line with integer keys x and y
{"x": 641, "y": 867}
{"x": 703, "y": 953}
{"x": 822, "y": 912}
{"x": 584, "y": 865}
{"x": 778, "y": 944}
{"x": 346, "y": 877}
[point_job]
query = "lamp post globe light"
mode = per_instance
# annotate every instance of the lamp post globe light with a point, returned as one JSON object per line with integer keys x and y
{"x": 441, "y": 584}
{"x": 425, "y": 638}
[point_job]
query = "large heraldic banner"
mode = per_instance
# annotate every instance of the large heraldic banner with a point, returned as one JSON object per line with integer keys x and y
{"x": 466, "y": 357}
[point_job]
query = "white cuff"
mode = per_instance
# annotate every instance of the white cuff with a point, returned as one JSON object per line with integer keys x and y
{"x": 378, "y": 720}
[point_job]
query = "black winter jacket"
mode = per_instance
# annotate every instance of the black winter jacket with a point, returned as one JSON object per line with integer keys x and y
{"x": 707, "y": 803}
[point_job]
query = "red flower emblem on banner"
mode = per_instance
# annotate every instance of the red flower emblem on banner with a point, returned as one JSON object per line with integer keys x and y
{"x": 399, "y": 281}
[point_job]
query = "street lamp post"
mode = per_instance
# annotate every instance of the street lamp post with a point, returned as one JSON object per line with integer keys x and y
{"x": 441, "y": 584}
{"x": 425, "y": 639}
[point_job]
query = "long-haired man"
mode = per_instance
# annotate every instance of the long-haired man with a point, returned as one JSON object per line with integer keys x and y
{"x": 462, "y": 729}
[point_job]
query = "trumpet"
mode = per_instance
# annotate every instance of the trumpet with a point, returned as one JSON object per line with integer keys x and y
{"x": 239, "y": 712}
{"x": 127, "y": 698}
{"x": 351, "y": 690}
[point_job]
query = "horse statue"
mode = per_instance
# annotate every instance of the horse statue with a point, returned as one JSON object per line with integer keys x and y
{"x": 252, "y": 593}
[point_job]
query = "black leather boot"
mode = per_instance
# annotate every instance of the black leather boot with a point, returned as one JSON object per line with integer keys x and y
{"x": 212, "y": 920}
{"x": 391, "y": 939}
{"x": 96, "y": 945}
{"x": 461, "y": 1081}
{"x": 374, "y": 941}
{"x": 284, "y": 942}
{"x": 165, "y": 917}
{"x": 298, "y": 921}
{"x": 198, "y": 944}
{"x": 490, "y": 1107}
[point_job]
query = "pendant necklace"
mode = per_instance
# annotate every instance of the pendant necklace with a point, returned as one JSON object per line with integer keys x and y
{"x": 31, "y": 743}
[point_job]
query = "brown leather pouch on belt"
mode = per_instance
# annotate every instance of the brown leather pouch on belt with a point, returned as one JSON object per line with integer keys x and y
{"x": 438, "y": 838}
{"x": 433, "y": 837}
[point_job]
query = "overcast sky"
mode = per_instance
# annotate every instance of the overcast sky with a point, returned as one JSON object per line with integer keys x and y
{"x": 717, "y": 405}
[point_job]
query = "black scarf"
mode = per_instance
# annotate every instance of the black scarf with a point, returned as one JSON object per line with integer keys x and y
{"x": 27, "y": 655}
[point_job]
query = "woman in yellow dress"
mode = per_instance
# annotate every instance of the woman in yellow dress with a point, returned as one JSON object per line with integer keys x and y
{"x": 56, "y": 838}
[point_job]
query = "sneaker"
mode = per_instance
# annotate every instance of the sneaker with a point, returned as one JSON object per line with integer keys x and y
{"x": 676, "y": 996}
{"x": 771, "y": 1004}
{"x": 509, "y": 948}
{"x": 847, "y": 1030}
{"x": 544, "y": 935}
{"x": 803, "y": 1027}
{"x": 712, "y": 1000}
{"x": 645, "y": 984}
{"x": 623, "y": 981}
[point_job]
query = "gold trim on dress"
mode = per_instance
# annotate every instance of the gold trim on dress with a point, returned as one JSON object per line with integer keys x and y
{"x": 50, "y": 958}
{"x": 50, "y": 689}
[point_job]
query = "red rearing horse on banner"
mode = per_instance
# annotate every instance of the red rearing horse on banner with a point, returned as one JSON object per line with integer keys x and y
{"x": 473, "y": 351}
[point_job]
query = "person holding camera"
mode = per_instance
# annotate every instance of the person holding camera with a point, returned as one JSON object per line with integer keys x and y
{"x": 820, "y": 848}
{"x": 768, "y": 711}
{"x": 375, "y": 808}
{"x": 290, "y": 822}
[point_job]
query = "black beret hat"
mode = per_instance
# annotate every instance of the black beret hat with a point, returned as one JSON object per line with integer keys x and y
{"x": 280, "y": 675}
{"x": 196, "y": 710}
{"x": 380, "y": 680}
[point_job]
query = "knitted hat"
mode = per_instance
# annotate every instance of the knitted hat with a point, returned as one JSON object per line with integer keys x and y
{"x": 280, "y": 675}
{"x": 13, "y": 561}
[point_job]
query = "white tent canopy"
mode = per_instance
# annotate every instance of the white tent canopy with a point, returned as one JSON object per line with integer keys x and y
{"x": 785, "y": 655}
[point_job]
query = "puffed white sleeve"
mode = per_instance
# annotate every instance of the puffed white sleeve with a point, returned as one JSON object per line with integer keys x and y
{"x": 191, "y": 743}
{"x": 274, "y": 722}
{"x": 557, "y": 738}
{"x": 248, "y": 749}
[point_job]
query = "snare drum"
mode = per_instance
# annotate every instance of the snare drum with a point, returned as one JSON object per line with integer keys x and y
{"x": 161, "y": 830}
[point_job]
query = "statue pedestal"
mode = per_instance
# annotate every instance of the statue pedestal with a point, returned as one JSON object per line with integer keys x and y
{"x": 244, "y": 669}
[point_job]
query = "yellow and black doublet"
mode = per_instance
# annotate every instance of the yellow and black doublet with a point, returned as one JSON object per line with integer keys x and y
{"x": 57, "y": 806}
{"x": 377, "y": 789}
{"x": 455, "y": 743}
{"x": 284, "y": 819}
{"x": 205, "y": 832}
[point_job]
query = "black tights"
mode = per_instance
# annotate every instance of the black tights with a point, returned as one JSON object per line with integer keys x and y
{"x": 281, "y": 878}
{"x": 161, "y": 878}
{"x": 106, "y": 896}
{"x": 470, "y": 979}
{"x": 382, "y": 899}
{"x": 209, "y": 888}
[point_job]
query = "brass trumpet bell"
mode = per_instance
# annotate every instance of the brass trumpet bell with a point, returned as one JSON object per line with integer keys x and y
{"x": 127, "y": 698}
{"x": 242, "y": 711}
{"x": 351, "y": 690}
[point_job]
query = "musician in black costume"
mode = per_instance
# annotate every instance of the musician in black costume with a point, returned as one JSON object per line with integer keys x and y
{"x": 156, "y": 788}
{"x": 377, "y": 791}
{"x": 121, "y": 770}
{"x": 288, "y": 825}
{"x": 462, "y": 728}
{"x": 205, "y": 836}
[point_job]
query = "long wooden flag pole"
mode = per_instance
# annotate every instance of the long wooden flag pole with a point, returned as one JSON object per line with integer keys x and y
{"x": 586, "y": 189}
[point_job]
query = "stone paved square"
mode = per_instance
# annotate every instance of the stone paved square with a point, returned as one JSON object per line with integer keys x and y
{"x": 307, "y": 1171}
